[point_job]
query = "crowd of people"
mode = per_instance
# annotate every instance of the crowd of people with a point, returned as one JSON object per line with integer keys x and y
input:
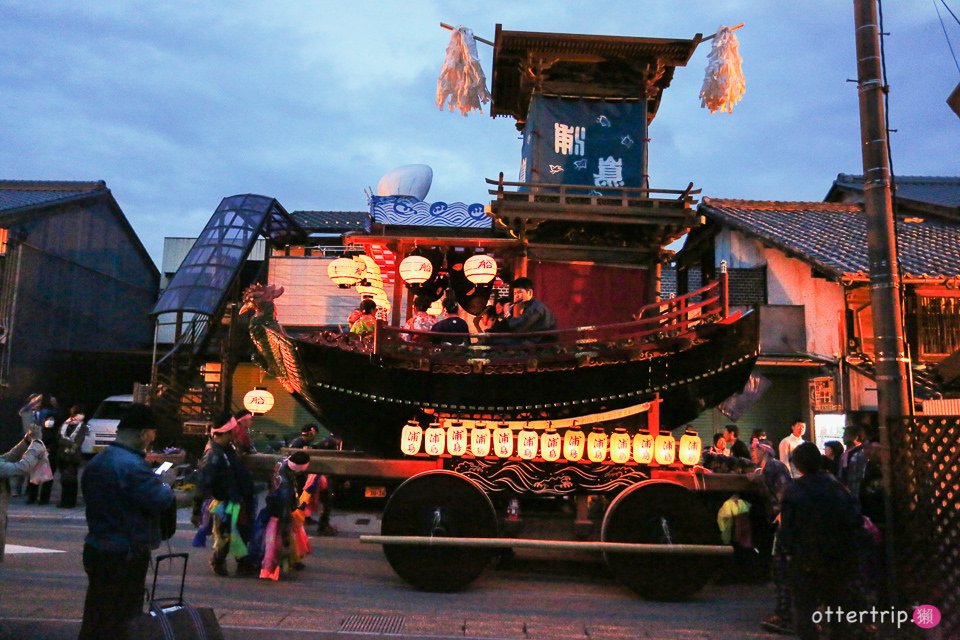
{"x": 62, "y": 436}
{"x": 523, "y": 313}
{"x": 821, "y": 519}
{"x": 821, "y": 515}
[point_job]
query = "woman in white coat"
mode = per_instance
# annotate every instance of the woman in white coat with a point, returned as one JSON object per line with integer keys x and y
{"x": 17, "y": 462}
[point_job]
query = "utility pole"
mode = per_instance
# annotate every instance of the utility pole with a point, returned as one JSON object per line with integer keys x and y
{"x": 893, "y": 398}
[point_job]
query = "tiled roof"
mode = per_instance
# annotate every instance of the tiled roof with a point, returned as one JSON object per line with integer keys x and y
{"x": 833, "y": 236}
{"x": 935, "y": 190}
{"x": 332, "y": 220}
{"x": 19, "y": 194}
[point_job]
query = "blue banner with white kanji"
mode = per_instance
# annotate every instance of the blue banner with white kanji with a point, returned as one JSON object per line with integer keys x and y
{"x": 589, "y": 142}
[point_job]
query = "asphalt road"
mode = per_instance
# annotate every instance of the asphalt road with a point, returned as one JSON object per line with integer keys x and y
{"x": 349, "y": 591}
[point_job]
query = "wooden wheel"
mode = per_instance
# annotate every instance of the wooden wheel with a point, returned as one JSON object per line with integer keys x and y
{"x": 657, "y": 512}
{"x": 440, "y": 503}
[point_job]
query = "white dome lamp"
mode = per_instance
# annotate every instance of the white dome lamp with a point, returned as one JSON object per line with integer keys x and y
{"x": 480, "y": 268}
{"x": 415, "y": 269}
{"x": 410, "y": 181}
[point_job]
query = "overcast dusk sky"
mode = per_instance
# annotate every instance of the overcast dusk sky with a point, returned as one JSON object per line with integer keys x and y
{"x": 176, "y": 105}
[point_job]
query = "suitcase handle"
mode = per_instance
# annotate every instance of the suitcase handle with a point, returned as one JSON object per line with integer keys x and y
{"x": 156, "y": 571}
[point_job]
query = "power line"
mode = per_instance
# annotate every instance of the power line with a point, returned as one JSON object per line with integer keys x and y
{"x": 944, "y": 27}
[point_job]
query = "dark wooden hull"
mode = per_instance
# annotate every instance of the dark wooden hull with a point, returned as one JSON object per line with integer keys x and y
{"x": 366, "y": 398}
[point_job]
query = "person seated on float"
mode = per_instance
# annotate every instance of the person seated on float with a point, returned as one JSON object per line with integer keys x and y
{"x": 356, "y": 313}
{"x": 488, "y": 321}
{"x": 502, "y": 305}
{"x": 420, "y": 320}
{"x": 367, "y": 321}
{"x": 451, "y": 323}
{"x": 529, "y": 314}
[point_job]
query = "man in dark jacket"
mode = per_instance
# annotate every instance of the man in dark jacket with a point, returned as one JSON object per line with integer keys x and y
{"x": 125, "y": 504}
{"x": 736, "y": 446}
{"x": 776, "y": 480}
{"x": 529, "y": 314}
{"x": 227, "y": 483}
{"x": 820, "y": 530}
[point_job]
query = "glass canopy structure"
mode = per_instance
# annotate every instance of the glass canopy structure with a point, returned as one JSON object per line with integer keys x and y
{"x": 212, "y": 264}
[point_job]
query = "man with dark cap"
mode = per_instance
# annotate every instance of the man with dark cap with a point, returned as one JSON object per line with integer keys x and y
{"x": 820, "y": 532}
{"x": 125, "y": 504}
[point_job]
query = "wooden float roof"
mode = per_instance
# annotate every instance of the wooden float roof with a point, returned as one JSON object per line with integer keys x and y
{"x": 584, "y": 66}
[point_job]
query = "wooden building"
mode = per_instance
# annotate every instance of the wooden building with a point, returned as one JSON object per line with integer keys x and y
{"x": 76, "y": 285}
{"x": 804, "y": 264}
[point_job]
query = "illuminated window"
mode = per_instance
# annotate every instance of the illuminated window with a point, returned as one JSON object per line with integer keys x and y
{"x": 3, "y": 241}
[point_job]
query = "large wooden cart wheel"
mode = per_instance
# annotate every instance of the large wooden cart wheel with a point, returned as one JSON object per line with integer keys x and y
{"x": 439, "y": 503}
{"x": 658, "y": 512}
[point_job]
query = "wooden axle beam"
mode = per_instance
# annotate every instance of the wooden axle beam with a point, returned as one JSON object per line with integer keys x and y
{"x": 560, "y": 545}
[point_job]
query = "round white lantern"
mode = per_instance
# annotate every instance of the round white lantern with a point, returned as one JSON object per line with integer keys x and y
{"x": 411, "y": 438}
{"x": 690, "y": 446}
{"x": 415, "y": 269}
{"x": 344, "y": 272}
{"x": 370, "y": 290}
{"x": 620, "y": 449}
{"x": 434, "y": 439}
{"x": 382, "y": 301}
{"x": 527, "y": 441}
{"x": 551, "y": 445}
{"x": 259, "y": 400}
{"x": 665, "y": 449}
{"x": 503, "y": 441}
{"x": 480, "y": 269}
{"x": 597, "y": 444}
{"x": 643, "y": 447}
{"x": 573, "y": 443}
{"x": 456, "y": 439}
{"x": 480, "y": 438}
{"x": 367, "y": 264}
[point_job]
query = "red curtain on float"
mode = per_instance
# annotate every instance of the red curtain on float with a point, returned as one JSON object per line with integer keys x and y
{"x": 589, "y": 294}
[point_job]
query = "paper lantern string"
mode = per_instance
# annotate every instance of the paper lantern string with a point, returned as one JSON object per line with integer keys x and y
{"x": 723, "y": 82}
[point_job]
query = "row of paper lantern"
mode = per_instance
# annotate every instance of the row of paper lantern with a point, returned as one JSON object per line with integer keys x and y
{"x": 573, "y": 445}
{"x": 361, "y": 272}
{"x": 345, "y": 273}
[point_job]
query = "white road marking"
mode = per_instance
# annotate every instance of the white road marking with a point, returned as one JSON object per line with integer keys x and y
{"x": 16, "y": 548}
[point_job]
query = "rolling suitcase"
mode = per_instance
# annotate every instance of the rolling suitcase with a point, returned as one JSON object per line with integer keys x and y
{"x": 172, "y": 618}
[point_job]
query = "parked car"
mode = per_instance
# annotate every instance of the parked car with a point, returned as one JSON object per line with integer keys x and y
{"x": 103, "y": 425}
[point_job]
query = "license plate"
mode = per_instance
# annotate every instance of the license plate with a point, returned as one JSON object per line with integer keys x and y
{"x": 98, "y": 448}
{"x": 374, "y": 492}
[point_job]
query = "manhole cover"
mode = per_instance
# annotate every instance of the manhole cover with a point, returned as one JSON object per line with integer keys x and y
{"x": 372, "y": 623}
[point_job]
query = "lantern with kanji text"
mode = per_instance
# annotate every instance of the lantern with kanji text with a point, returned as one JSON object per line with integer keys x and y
{"x": 690, "y": 447}
{"x": 551, "y": 445}
{"x": 665, "y": 449}
{"x": 643, "y": 447}
{"x": 527, "y": 441}
{"x": 258, "y": 400}
{"x": 415, "y": 269}
{"x": 344, "y": 272}
{"x": 480, "y": 438}
{"x": 620, "y": 449}
{"x": 597, "y": 443}
{"x": 456, "y": 439}
{"x": 480, "y": 269}
{"x": 573, "y": 443}
{"x": 503, "y": 440}
{"x": 434, "y": 439}
{"x": 411, "y": 438}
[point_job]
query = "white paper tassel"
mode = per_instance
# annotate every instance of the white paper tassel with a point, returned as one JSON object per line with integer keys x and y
{"x": 723, "y": 84}
{"x": 461, "y": 78}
